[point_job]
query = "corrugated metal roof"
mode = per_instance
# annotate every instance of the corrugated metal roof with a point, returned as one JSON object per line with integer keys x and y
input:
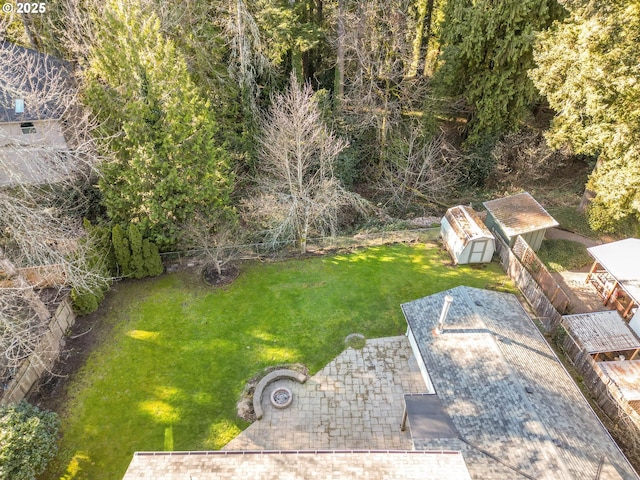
{"x": 622, "y": 260}
{"x": 520, "y": 214}
{"x": 266, "y": 465}
{"x": 600, "y": 332}
{"x": 466, "y": 224}
{"x": 626, "y": 375}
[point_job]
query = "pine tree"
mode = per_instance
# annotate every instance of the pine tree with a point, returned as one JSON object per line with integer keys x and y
{"x": 164, "y": 160}
{"x": 588, "y": 70}
{"x": 487, "y": 50}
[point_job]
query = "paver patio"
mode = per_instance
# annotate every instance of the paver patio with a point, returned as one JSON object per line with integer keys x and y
{"x": 355, "y": 402}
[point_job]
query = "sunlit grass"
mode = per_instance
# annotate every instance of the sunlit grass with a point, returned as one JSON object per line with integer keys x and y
{"x": 177, "y": 354}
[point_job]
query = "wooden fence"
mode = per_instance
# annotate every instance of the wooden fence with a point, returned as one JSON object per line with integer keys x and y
{"x": 606, "y": 394}
{"x": 290, "y": 248}
{"x": 543, "y": 278}
{"x": 44, "y": 276}
{"x": 45, "y": 355}
{"x": 526, "y": 283}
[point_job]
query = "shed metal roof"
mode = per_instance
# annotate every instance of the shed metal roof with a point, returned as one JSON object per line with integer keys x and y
{"x": 622, "y": 260}
{"x": 293, "y": 465}
{"x": 466, "y": 224}
{"x": 626, "y": 376}
{"x": 520, "y": 214}
{"x": 599, "y": 332}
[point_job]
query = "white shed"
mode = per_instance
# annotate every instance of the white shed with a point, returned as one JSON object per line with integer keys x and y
{"x": 466, "y": 237}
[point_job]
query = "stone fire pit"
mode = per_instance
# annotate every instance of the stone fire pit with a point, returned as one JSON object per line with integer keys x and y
{"x": 281, "y": 397}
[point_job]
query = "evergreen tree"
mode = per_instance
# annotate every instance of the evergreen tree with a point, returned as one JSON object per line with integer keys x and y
{"x": 135, "y": 243}
{"x": 152, "y": 261}
{"x": 121, "y": 249}
{"x": 487, "y": 50}
{"x": 165, "y": 161}
{"x": 588, "y": 69}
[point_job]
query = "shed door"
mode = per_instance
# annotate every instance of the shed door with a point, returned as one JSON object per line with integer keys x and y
{"x": 478, "y": 248}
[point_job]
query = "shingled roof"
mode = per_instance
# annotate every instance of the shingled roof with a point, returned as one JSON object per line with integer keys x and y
{"x": 518, "y": 412}
{"x": 520, "y": 214}
{"x": 35, "y": 79}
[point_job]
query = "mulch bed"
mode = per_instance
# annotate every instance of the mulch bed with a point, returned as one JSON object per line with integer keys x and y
{"x": 226, "y": 276}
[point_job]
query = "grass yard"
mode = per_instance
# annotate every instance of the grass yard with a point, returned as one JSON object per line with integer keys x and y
{"x": 561, "y": 255}
{"x": 168, "y": 373}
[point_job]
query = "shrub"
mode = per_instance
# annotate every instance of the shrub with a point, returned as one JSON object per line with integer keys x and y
{"x": 85, "y": 302}
{"x": 152, "y": 261}
{"x": 137, "y": 256}
{"x": 121, "y": 249}
{"x": 135, "y": 243}
{"x": 27, "y": 440}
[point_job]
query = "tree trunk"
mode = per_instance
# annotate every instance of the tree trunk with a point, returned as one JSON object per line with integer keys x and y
{"x": 428, "y": 20}
{"x": 338, "y": 85}
{"x": 418, "y": 39}
{"x": 27, "y": 28}
{"x": 588, "y": 194}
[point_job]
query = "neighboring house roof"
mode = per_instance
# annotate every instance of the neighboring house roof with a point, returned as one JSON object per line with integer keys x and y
{"x": 626, "y": 376}
{"x": 30, "y": 79}
{"x": 622, "y": 260}
{"x": 518, "y": 412}
{"x": 520, "y": 214}
{"x": 600, "y": 332}
{"x": 466, "y": 224}
{"x": 267, "y": 465}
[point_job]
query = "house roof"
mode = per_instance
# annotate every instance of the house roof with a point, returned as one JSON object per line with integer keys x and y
{"x": 36, "y": 78}
{"x": 626, "y": 376}
{"x": 266, "y": 465}
{"x": 622, "y": 260}
{"x": 599, "y": 332}
{"x": 517, "y": 410}
{"x": 466, "y": 224}
{"x": 520, "y": 214}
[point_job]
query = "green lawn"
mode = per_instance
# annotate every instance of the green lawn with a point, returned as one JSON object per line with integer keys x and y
{"x": 169, "y": 372}
{"x": 561, "y": 255}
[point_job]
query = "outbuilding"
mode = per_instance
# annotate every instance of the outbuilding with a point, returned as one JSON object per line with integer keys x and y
{"x": 466, "y": 237}
{"x": 519, "y": 215}
{"x": 616, "y": 275}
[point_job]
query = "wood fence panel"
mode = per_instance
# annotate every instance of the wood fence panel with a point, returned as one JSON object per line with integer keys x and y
{"x": 542, "y": 276}
{"x": 526, "y": 283}
{"x": 46, "y": 353}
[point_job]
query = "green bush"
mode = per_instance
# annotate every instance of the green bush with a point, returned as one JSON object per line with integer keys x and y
{"x": 121, "y": 249}
{"x": 152, "y": 261}
{"x": 135, "y": 243}
{"x": 28, "y": 438}
{"x": 85, "y": 302}
{"x": 137, "y": 256}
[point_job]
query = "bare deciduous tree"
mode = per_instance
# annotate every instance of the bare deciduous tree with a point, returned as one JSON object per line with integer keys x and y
{"x": 299, "y": 193}
{"x": 418, "y": 170}
{"x": 47, "y": 159}
{"x": 215, "y": 242}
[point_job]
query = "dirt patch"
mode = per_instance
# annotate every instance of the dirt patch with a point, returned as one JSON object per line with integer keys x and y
{"x": 226, "y": 276}
{"x": 86, "y": 334}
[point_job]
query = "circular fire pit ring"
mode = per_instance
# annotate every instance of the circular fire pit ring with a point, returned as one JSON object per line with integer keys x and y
{"x": 281, "y": 397}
